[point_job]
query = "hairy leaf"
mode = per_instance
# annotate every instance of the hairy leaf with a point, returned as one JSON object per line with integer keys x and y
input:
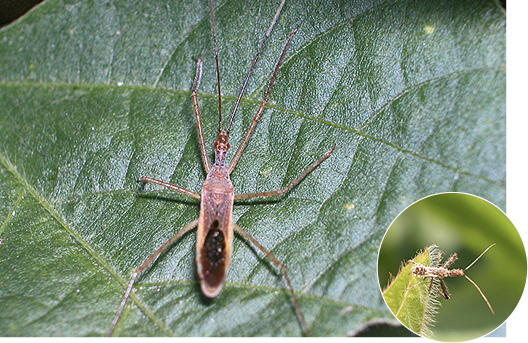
{"x": 410, "y": 298}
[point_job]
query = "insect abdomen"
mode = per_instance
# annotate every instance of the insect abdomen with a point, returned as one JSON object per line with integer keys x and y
{"x": 213, "y": 259}
{"x": 215, "y": 232}
{"x": 419, "y": 270}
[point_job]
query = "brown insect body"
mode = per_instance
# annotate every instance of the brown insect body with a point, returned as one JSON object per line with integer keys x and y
{"x": 455, "y": 272}
{"x": 215, "y": 224}
{"x": 421, "y": 270}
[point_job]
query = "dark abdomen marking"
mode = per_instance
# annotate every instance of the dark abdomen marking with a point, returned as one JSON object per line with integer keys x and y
{"x": 213, "y": 253}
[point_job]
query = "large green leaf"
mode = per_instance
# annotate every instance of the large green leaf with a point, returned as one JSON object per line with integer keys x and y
{"x": 95, "y": 94}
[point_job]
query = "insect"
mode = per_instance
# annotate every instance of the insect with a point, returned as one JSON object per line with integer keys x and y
{"x": 215, "y": 222}
{"x": 436, "y": 272}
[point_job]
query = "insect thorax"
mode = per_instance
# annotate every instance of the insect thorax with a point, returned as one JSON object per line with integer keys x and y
{"x": 455, "y": 272}
{"x": 218, "y": 180}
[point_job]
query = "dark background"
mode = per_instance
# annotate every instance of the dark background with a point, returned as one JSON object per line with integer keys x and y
{"x": 10, "y": 10}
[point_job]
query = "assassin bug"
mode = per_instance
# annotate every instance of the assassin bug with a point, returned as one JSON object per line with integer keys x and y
{"x": 215, "y": 222}
{"x": 436, "y": 272}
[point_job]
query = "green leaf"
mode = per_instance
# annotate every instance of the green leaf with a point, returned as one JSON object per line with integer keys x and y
{"x": 415, "y": 306}
{"x": 95, "y": 94}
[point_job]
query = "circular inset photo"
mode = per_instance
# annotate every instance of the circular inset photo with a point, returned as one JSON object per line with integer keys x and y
{"x": 452, "y": 267}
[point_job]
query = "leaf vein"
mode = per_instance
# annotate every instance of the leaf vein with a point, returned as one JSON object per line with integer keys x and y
{"x": 11, "y": 213}
{"x": 357, "y": 131}
{"x": 55, "y": 214}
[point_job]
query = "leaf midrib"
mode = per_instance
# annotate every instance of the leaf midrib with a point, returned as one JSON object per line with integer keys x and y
{"x": 48, "y": 207}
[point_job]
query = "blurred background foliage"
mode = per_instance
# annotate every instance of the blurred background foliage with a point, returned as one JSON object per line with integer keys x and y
{"x": 467, "y": 225}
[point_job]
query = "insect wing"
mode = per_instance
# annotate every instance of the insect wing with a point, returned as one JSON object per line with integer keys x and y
{"x": 214, "y": 240}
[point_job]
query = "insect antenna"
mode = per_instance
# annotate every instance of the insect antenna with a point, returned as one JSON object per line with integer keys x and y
{"x": 481, "y": 293}
{"x": 473, "y": 282}
{"x": 261, "y": 48}
{"x": 472, "y": 263}
{"x": 217, "y": 60}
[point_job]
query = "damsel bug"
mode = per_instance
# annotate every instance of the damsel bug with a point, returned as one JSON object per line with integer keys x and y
{"x": 215, "y": 222}
{"x": 420, "y": 270}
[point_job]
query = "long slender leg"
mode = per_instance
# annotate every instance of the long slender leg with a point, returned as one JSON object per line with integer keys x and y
{"x": 450, "y": 261}
{"x": 196, "y": 107}
{"x": 262, "y": 106}
{"x": 291, "y": 185}
{"x": 430, "y": 286}
{"x": 406, "y": 291}
{"x": 444, "y": 291}
{"x": 144, "y": 266}
{"x": 279, "y": 264}
{"x": 171, "y": 186}
{"x": 416, "y": 284}
{"x": 439, "y": 258}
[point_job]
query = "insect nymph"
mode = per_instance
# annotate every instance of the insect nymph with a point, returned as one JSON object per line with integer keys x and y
{"x": 215, "y": 222}
{"x": 441, "y": 272}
